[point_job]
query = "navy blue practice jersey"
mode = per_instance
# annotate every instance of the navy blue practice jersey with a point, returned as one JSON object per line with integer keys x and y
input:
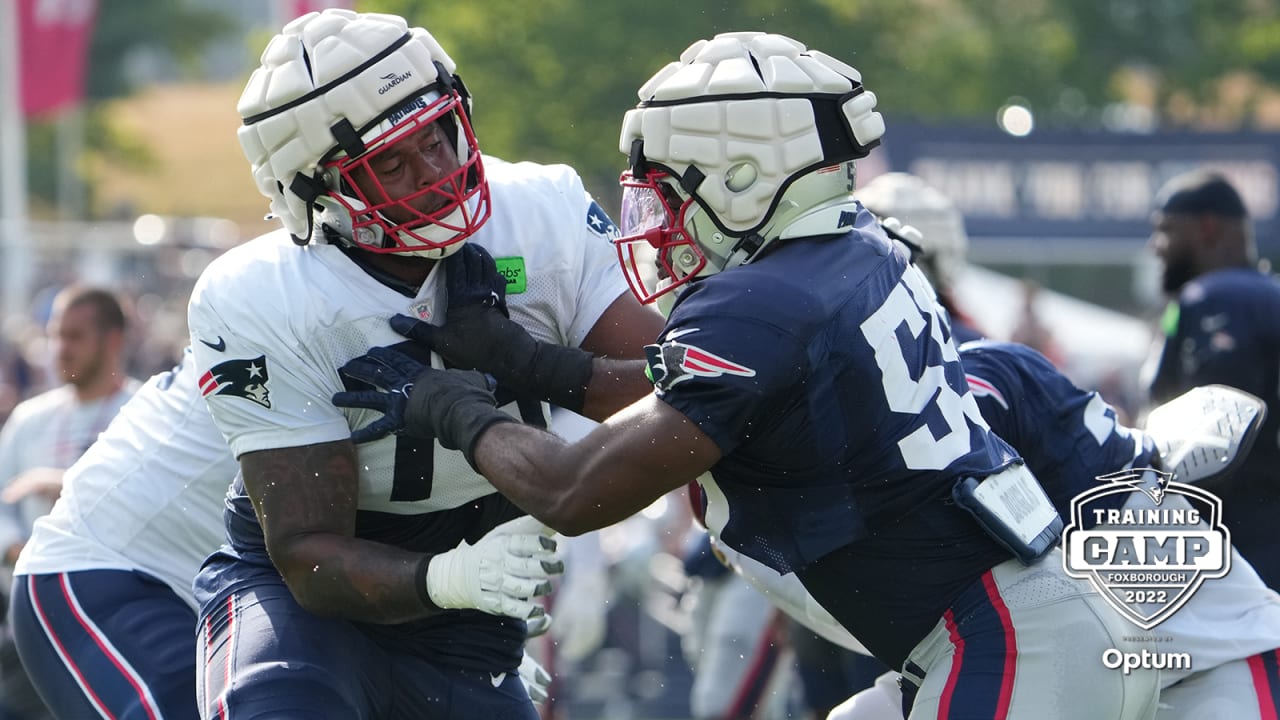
{"x": 826, "y": 374}
{"x": 1225, "y": 329}
{"x": 1067, "y": 436}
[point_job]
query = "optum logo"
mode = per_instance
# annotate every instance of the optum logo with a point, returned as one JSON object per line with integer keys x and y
{"x": 1114, "y": 659}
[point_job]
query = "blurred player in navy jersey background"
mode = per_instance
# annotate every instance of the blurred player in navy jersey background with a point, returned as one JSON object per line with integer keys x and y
{"x": 1223, "y": 326}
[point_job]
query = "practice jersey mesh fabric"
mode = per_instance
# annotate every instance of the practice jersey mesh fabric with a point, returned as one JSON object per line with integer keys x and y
{"x": 147, "y": 496}
{"x": 313, "y": 309}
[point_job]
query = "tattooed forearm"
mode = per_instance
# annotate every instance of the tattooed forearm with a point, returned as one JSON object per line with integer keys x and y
{"x": 305, "y": 498}
{"x": 309, "y": 488}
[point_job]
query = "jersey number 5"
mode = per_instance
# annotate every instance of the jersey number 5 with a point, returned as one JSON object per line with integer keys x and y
{"x": 907, "y": 332}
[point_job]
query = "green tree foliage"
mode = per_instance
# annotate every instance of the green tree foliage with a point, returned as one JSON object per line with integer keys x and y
{"x": 182, "y": 30}
{"x": 552, "y": 78}
{"x": 179, "y": 29}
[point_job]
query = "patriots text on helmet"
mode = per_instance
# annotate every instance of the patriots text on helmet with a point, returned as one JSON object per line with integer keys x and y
{"x": 405, "y": 110}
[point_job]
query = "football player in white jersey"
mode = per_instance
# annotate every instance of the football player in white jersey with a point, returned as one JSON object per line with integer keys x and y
{"x": 334, "y": 597}
{"x": 103, "y": 614}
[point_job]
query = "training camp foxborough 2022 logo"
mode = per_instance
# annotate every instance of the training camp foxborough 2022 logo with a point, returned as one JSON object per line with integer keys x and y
{"x": 1146, "y": 543}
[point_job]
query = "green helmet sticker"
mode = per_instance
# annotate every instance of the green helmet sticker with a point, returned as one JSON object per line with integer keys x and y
{"x": 512, "y": 268}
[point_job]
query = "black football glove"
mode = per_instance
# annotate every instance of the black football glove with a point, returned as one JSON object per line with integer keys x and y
{"x": 478, "y": 334}
{"x": 453, "y": 406}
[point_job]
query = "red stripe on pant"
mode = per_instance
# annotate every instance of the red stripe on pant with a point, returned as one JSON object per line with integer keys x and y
{"x": 988, "y": 636}
{"x": 1265, "y": 668}
{"x": 763, "y": 661}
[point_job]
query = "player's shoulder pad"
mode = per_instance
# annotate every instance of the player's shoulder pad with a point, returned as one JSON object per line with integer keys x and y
{"x": 502, "y": 174}
{"x": 263, "y": 276}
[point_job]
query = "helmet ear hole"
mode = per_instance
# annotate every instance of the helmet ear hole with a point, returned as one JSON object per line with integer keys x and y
{"x": 741, "y": 176}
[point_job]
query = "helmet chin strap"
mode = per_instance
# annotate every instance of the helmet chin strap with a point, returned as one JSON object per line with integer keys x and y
{"x": 744, "y": 251}
{"x": 337, "y": 219}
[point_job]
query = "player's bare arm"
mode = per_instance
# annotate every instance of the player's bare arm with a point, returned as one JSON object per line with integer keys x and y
{"x": 617, "y": 340}
{"x": 639, "y": 454}
{"x": 635, "y": 456}
{"x": 305, "y": 498}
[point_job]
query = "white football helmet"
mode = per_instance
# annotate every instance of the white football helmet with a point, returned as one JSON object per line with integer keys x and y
{"x": 748, "y": 138}
{"x": 339, "y": 94}
{"x": 944, "y": 242}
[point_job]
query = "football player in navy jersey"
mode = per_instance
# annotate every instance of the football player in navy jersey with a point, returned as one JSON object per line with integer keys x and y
{"x": 827, "y": 671}
{"x": 1230, "y": 627}
{"x": 351, "y": 579}
{"x": 805, "y": 365}
{"x": 1223, "y": 326}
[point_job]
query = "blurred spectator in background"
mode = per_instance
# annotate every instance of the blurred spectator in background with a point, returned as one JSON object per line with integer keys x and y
{"x": 944, "y": 242}
{"x": 1031, "y": 330}
{"x": 1222, "y": 326}
{"x": 18, "y": 377}
{"x": 47, "y": 433}
{"x": 734, "y": 643}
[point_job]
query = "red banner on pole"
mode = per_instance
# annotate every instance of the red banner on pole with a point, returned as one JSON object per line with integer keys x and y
{"x": 53, "y": 45}
{"x": 298, "y": 8}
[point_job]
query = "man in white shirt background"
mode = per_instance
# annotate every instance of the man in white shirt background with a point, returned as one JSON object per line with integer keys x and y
{"x": 47, "y": 433}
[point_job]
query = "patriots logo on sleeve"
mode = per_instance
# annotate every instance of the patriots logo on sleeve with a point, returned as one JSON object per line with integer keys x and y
{"x": 600, "y": 222}
{"x": 241, "y": 378}
{"x": 982, "y": 388}
{"x": 671, "y": 363}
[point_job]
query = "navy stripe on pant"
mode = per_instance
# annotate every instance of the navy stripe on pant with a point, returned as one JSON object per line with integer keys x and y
{"x": 980, "y": 683}
{"x": 263, "y": 656}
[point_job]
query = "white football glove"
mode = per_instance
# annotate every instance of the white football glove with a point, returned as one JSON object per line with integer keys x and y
{"x": 537, "y": 681}
{"x": 899, "y": 230}
{"x": 501, "y": 574}
{"x": 1206, "y": 432}
{"x": 535, "y": 626}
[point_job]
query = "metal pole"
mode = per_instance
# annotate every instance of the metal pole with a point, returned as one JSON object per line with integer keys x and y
{"x": 15, "y": 249}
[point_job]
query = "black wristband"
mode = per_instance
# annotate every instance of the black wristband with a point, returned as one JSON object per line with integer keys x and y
{"x": 561, "y": 374}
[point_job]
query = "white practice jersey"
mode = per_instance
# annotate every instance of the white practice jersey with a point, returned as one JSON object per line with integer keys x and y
{"x": 50, "y": 430}
{"x": 272, "y": 322}
{"x": 146, "y": 496}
